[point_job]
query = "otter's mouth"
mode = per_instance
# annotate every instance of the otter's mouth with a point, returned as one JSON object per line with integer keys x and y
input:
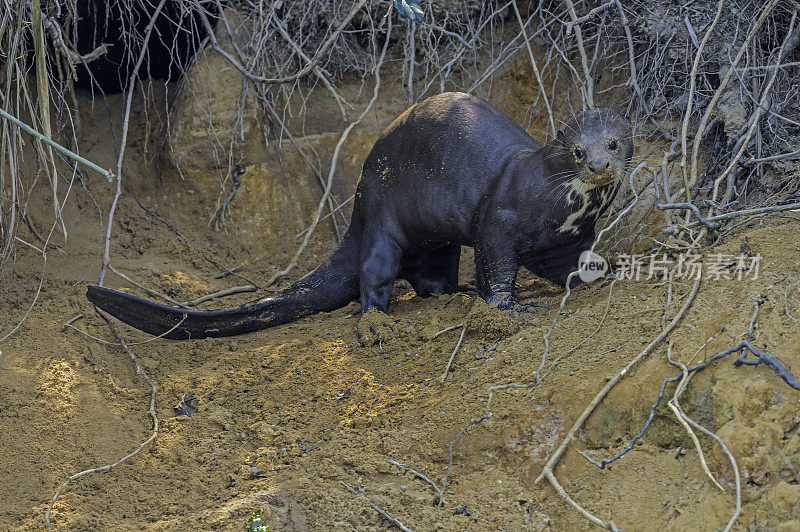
{"x": 601, "y": 178}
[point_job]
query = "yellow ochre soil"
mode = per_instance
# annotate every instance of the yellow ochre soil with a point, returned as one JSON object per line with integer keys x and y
{"x": 310, "y": 408}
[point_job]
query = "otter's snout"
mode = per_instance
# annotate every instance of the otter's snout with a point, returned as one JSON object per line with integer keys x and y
{"x": 597, "y": 165}
{"x": 599, "y": 171}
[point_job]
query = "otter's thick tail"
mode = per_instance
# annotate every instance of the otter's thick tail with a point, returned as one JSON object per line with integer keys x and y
{"x": 333, "y": 285}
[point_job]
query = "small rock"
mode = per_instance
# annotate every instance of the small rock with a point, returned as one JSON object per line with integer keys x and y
{"x": 187, "y": 405}
{"x": 375, "y": 327}
{"x": 745, "y": 248}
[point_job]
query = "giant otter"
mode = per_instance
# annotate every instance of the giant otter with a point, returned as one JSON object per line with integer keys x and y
{"x": 450, "y": 171}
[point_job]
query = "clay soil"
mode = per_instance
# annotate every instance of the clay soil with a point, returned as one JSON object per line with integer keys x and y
{"x": 287, "y": 416}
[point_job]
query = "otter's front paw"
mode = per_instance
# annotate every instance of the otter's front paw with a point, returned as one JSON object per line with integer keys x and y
{"x": 506, "y": 301}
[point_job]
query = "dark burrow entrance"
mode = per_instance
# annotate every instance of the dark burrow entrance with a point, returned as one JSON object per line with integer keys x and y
{"x": 177, "y": 35}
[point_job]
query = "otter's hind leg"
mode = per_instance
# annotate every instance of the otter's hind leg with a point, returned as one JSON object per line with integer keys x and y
{"x": 380, "y": 264}
{"x": 434, "y": 271}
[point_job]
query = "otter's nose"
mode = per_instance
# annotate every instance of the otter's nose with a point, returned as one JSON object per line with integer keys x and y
{"x": 598, "y": 164}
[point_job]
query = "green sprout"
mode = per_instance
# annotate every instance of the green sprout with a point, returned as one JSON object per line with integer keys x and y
{"x": 256, "y": 523}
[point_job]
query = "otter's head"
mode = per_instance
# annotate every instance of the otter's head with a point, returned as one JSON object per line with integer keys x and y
{"x": 596, "y": 145}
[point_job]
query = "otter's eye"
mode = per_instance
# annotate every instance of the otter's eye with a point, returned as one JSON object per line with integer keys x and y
{"x": 612, "y": 145}
{"x": 578, "y": 153}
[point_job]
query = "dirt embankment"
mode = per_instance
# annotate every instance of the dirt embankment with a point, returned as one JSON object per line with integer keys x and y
{"x": 287, "y": 415}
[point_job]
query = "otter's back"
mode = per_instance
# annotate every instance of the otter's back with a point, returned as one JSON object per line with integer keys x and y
{"x": 454, "y": 145}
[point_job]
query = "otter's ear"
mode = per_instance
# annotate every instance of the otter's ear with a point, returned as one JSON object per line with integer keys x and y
{"x": 627, "y": 120}
{"x": 561, "y": 137}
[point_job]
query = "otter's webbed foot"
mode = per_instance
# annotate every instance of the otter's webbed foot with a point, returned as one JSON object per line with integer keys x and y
{"x": 506, "y": 301}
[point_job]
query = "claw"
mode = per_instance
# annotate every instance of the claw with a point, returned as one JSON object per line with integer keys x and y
{"x": 506, "y": 301}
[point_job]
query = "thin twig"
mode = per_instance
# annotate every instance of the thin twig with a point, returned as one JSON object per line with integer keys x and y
{"x": 588, "y": 16}
{"x": 688, "y": 113}
{"x": 443, "y": 378}
{"x": 150, "y": 291}
{"x": 737, "y": 477}
{"x": 547, "y": 471}
{"x": 626, "y": 210}
{"x": 105, "y": 264}
{"x": 69, "y": 153}
{"x": 71, "y": 321}
{"x": 287, "y": 79}
{"x": 334, "y": 159}
{"x": 416, "y": 473}
{"x": 734, "y": 214}
{"x": 535, "y": 69}
{"x": 123, "y": 143}
{"x": 709, "y": 112}
{"x": 220, "y": 293}
{"x": 587, "y": 87}
{"x": 227, "y": 272}
{"x": 780, "y": 370}
{"x": 219, "y": 216}
{"x": 754, "y": 120}
{"x": 377, "y": 508}
{"x": 151, "y": 411}
{"x": 69, "y": 325}
{"x": 345, "y": 202}
{"x": 771, "y": 158}
{"x": 691, "y": 207}
{"x": 682, "y": 418}
{"x": 448, "y": 329}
